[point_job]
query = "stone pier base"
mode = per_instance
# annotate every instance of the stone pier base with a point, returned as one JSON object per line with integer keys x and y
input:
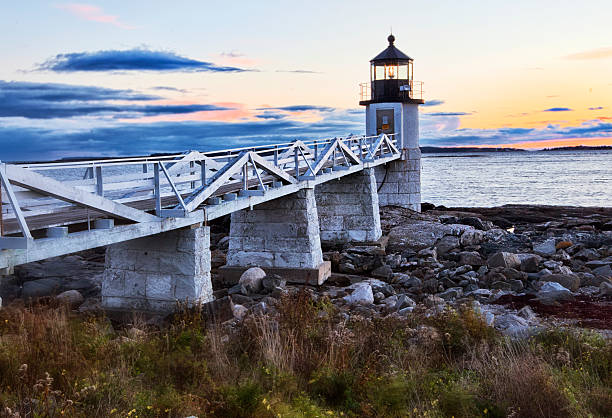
{"x": 281, "y": 236}
{"x": 348, "y": 209}
{"x": 399, "y": 181}
{"x": 152, "y": 274}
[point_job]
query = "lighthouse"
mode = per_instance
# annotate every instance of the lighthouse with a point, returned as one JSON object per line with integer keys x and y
{"x": 392, "y": 99}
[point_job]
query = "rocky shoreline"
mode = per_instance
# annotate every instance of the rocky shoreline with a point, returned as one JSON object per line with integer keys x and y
{"x": 521, "y": 267}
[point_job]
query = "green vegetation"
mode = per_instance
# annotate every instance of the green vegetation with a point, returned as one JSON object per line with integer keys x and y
{"x": 306, "y": 360}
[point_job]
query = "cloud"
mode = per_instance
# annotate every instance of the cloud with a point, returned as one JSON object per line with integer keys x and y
{"x": 433, "y": 102}
{"x": 168, "y": 88}
{"x": 558, "y": 109}
{"x": 448, "y": 114}
{"x": 271, "y": 115}
{"x": 51, "y": 100}
{"x": 94, "y": 14}
{"x": 299, "y": 71}
{"x": 136, "y": 59}
{"x": 593, "y": 54}
{"x": 300, "y": 108}
{"x": 596, "y": 108}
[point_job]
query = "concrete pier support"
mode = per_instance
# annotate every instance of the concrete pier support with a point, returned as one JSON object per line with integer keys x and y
{"x": 348, "y": 209}
{"x": 399, "y": 182}
{"x": 153, "y": 273}
{"x": 282, "y": 237}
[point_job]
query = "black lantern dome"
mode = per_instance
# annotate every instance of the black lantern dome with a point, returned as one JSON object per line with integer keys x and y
{"x": 391, "y": 78}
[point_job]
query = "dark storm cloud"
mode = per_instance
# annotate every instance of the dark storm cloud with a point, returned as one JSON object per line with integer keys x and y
{"x": 131, "y": 60}
{"x": 433, "y": 102}
{"x": 596, "y": 108}
{"x": 50, "y": 100}
{"x": 558, "y": 109}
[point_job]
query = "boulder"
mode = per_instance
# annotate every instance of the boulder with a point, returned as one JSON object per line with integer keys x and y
{"x": 473, "y": 221}
{"x": 421, "y": 234}
{"x": 406, "y": 280}
{"x": 605, "y": 288}
{"x": 362, "y": 295}
{"x": 251, "y": 281}
{"x": 238, "y": 311}
{"x": 446, "y": 244}
{"x": 404, "y": 301}
{"x": 503, "y": 259}
{"x": 529, "y": 262}
{"x": 72, "y": 298}
{"x": 274, "y": 282}
{"x": 512, "y": 325}
{"x": 383, "y": 272}
{"x": 551, "y": 292}
{"x": 452, "y": 293}
{"x": 545, "y": 249}
{"x": 527, "y": 313}
{"x": 471, "y": 258}
{"x": 603, "y": 271}
{"x": 470, "y": 238}
{"x": 40, "y": 287}
{"x": 570, "y": 282}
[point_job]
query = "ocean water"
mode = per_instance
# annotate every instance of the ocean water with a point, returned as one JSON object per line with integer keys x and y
{"x": 573, "y": 178}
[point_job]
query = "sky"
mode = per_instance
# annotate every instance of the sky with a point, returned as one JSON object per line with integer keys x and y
{"x": 111, "y": 78}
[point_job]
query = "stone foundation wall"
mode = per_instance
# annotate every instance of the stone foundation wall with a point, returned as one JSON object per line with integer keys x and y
{"x": 152, "y": 273}
{"x": 402, "y": 184}
{"x": 279, "y": 233}
{"x": 348, "y": 208}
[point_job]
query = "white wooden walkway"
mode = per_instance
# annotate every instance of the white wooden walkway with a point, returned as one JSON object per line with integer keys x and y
{"x": 150, "y": 195}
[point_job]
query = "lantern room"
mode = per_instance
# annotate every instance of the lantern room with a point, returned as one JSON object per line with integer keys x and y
{"x": 391, "y": 78}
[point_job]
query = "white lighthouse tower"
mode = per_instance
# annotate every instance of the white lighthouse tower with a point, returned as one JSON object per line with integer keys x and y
{"x": 392, "y": 100}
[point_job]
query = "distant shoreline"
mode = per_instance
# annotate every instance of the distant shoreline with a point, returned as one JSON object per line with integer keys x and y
{"x": 463, "y": 150}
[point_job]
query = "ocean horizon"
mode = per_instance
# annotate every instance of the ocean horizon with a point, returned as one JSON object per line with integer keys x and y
{"x": 486, "y": 179}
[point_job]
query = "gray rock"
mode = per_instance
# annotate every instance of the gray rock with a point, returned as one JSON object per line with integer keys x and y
{"x": 471, "y": 258}
{"x": 383, "y": 272}
{"x": 452, "y": 293}
{"x": 470, "y": 238}
{"x": 598, "y": 263}
{"x": 473, "y": 221}
{"x": 529, "y": 262}
{"x": 238, "y": 311}
{"x": 503, "y": 259}
{"x": 546, "y": 248}
{"x": 446, "y": 244}
{"x": 406, "y": 280}
{"x": 379, "y": 297}
{"x": 273, "y": 283}
{"x": 605, "y": 288}
{"x": 587, "y": 254}
{"x": 90, "y": 305}
{"x": 393, "y": 260}
{"x": 405, "y": 311}
{"x": 251, "y": 281}
{"x": 568, "y": 281}
{"x": 512, "y": 325}
{"x": 404, "y": 301}
{"x": 552, "y": 291}
{"x": 603, "y": 271}
{"x": 362, "y": 295}
{"x": 516, "y": 285}
{"x": 501, "y": 285}
{"x": 40, "y": 287}
{"x": 527, "y": 313}
{"x": 421, "y": 234}
{"x": 70, "y": 297}
{"x": 430, "y": 285}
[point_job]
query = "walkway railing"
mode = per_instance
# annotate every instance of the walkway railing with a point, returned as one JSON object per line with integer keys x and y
{"x": 140, "y": 190}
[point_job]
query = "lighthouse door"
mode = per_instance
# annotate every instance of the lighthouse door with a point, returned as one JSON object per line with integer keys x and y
{"x": 384, "y": 121}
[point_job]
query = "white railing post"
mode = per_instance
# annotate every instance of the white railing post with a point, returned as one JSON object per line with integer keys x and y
{"x": 157, "y": 189}
{"x": 14, "y": 203}
{"x": 99, "y": 181}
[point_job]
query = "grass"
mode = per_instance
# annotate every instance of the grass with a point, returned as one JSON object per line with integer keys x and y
{"x": 303, "y": 361}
